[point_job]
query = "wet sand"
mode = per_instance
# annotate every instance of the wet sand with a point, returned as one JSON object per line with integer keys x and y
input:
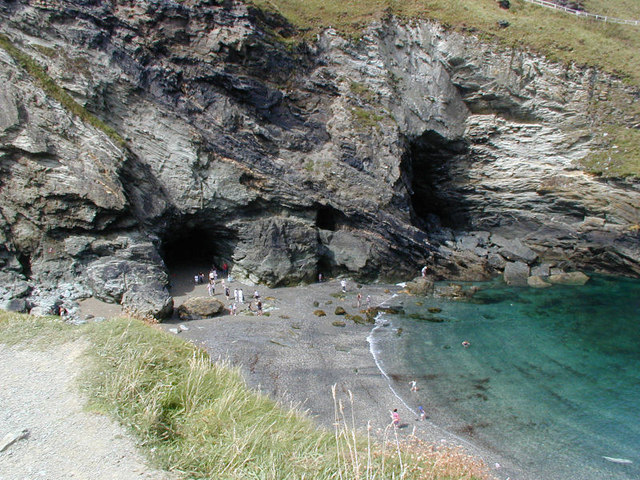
{"x": 296, "y": 357}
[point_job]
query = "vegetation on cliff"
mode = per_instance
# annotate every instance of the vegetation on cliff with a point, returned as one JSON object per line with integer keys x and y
{"x": 200, "y": 420}
{"x": 556, "y": 35}
{"x": 48, "y": 84}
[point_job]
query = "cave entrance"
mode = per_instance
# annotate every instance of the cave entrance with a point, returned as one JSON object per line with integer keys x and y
{"x": 190, "y": 249}
{"x": 328, "y": 218}
{"x": 430, "y": 168}
{"x": 25, "y": 262}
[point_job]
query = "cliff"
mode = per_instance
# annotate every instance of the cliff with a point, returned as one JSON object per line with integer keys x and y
{"x": 194, "y": 133}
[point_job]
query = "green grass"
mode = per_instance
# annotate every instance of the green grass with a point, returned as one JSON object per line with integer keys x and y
{"x": 552, "y": 33}
{"x": 52, "y": 89}
{"x": 366, "y": 119}
{"x": 200, "y": 420}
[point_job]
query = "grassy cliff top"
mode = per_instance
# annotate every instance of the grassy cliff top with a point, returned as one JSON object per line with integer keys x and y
{"x": 555, "y": 34}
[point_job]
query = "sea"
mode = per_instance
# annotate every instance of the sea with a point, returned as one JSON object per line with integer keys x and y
{"x": 546, "y": 378}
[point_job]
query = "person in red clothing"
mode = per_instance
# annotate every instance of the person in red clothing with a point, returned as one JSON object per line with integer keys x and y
{"x": 395, "y": 417}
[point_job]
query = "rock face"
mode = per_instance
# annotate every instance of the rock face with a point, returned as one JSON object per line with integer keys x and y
{"x": 368, "y": 158}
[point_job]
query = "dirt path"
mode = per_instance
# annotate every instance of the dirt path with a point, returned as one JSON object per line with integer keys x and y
{"x": 38, "y": 392}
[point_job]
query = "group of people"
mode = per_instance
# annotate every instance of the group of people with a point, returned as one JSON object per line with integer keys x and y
{"x": 238, "y": 294}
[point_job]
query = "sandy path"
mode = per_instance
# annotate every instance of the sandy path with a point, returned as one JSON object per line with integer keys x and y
{"x": 38, "y": 392}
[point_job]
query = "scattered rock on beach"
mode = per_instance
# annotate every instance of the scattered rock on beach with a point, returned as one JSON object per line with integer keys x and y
{"x": 320, "y": 313}
{"x": 340, "y": 311}
{"x": 197, "y": 308}
{"x": 338, "y": 323}
{"x": 420, "y": 286}
{"x": 356, "y": 319}
{"x": 571, "y": 278}
{"x": 536, "y": 281}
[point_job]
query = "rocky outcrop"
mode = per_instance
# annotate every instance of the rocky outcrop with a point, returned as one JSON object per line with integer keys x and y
{"x": 570, "y": 278}
{"x": 420, "y": 286}
{"x": 414, "y": 144}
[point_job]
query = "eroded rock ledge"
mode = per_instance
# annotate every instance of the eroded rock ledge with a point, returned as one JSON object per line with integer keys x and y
{"x": 366, "y": 158}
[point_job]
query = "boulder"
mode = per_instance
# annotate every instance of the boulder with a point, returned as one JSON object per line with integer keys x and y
{"x": 456, "y": 291}
{"x": 420, "y": 286}
{"x": 543, "y": 270}
{"x": 570, "y": 278}
{"x": 515, "y": 251}
{"x": 516, "y": 274}
{"x": 496, "y": 261}
{"x": 536, "y": 281}
{"x": 200, "y": 307}
{"x": 148, "y": 300}
{"x": 15, "y": 305}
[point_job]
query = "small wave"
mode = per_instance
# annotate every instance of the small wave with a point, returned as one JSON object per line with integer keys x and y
{"x": 622, "y": 461}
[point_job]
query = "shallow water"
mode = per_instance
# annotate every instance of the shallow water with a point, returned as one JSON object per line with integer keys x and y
{"x": 550, "y": 380}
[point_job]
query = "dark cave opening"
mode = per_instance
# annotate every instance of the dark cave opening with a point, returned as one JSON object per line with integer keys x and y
{"x": 196, "y": 248}
{"x": 430, "y": 167}
{"x": 328, "y": 218}
{"x": 25, "y": 262}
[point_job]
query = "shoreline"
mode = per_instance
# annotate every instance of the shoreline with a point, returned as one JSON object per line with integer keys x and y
{"x": 295, "y": 357}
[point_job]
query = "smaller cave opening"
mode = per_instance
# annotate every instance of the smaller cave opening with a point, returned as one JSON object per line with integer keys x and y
{"x": 25, "y": 262}
{"x": 328, "y": 218}
{"x": 324, "y": 267}
{"x": 431, "y": 167}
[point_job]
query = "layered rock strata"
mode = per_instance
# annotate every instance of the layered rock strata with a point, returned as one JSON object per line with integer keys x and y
{"x": 413, "y": 144}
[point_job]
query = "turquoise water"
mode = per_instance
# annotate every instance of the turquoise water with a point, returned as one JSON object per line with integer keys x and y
{"x": 550, "y": 380}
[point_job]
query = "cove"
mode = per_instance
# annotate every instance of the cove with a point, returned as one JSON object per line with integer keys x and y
{"x": 550, "y": 379}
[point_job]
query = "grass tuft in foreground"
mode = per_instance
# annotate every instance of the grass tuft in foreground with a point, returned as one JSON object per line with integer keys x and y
{"x": 199, "y": 419}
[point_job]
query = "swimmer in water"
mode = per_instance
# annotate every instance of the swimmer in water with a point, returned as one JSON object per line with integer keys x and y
{"x": 465, "y": 344}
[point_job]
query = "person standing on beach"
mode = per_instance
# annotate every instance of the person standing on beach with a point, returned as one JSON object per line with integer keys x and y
{"x": 226, "y": 292}
{"x": 395, "y": 418}
{"x": 259, "y": 307}
{"x": 423, "y": 414}
{"x": 414, "y": 386}
{"x": 224, "y": 269}
{"x": 211, "y": 288}
{"x": 359, "y": 299}
{"x": 424, "y": 271}
{"x": 235, "y": 294}
{"x": 241, "y": 296}
{"x": 320, "y": 277}
{"x": 343, "y": 284}
{"x": 368, "y": 301}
